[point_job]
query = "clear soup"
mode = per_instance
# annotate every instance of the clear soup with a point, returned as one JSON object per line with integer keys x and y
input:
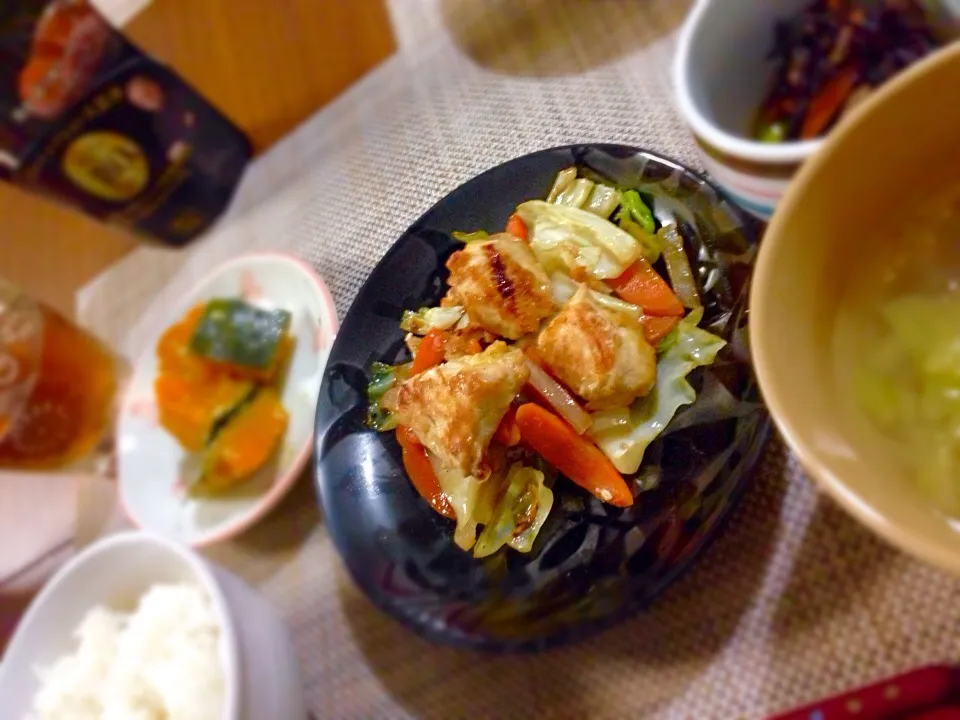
{"x": 897, "y": 345}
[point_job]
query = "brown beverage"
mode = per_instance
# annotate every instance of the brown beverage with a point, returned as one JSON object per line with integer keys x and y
{"x": 58, "y": 387}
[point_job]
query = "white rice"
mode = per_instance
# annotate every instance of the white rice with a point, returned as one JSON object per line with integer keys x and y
{"x": 160, "y": 663}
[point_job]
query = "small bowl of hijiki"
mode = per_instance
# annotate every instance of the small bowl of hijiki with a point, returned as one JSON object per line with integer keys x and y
{"x": 217, "y": 421}
{"x": 761, "y": 83}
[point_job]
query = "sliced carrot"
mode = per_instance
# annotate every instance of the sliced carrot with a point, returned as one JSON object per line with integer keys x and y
{"x": 827, "y": 103}
{"x": 474, "y": 347}
{"x": 574, "y": 456}
{"x": 508, "y": 434}
{"x": 533, "y": 355}
{"x": 517, "y": 227}
{"x": 406, "y": 436}
{"x": 656, "y": 328}
{"x": 641, "y": 285}
{"x": 578, "y": 273}
{"x": 420, "y": 472}
{"x": 430, "y": 352}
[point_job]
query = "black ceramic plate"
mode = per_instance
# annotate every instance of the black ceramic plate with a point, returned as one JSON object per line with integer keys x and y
{"x": 592, "y": 563}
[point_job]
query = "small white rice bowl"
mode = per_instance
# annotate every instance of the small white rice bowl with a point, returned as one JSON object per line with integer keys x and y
{"x": 160, "y": 662}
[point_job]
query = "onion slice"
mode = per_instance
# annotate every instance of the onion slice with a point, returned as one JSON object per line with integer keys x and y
{"x": 612, "y": 419}
{"x": 390, "y": 398}
{"x": 678, "y": 267}
{"x": 558, "y": 398}
{"x": 564, "y": 287}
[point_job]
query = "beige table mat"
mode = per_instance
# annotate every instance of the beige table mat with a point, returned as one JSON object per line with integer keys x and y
{"x": 794, "y": 601}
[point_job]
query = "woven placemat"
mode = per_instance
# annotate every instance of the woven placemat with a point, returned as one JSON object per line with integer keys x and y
{"x": 794, "y": 601}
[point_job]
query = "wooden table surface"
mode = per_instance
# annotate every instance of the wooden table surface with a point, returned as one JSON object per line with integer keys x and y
{"x": 268, "y": 66}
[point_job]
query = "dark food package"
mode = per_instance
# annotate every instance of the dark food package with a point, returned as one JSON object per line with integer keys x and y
{"x": 88, "y": 119}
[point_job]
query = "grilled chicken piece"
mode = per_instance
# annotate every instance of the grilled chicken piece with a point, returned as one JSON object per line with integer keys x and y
{"x": 599, "y": 354}
{"x": 469, "y": 341}
{"x": 455, "y": 408}
{"x": 501, "y": 285}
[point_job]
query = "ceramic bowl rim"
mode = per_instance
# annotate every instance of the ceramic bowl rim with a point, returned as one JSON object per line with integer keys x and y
{"x": 763, "y": 286}
{"x": 708, "y": 131}
{"x": 202, "y": 573}
{"x": 284, "y": 482}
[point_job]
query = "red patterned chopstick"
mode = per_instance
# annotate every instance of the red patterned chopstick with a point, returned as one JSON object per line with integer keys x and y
{"x": 928, "y": 693}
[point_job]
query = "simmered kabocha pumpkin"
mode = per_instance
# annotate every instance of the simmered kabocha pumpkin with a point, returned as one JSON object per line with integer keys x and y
{"x": 173, "y": 349}
{"x": 246, "y": 441}
{"x": 193, "y": 397}
{"x": 192, "y": 411}
{"x": 215, "y": 389}
{"x": 247, "y": 341}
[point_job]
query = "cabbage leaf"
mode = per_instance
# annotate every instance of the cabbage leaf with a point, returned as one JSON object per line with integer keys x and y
{"x": 426, "y": 319}
{"x": 635, "y": 210}
{"x": 576, "y": 195}
{"x": 519, "y": 514}
{"x": 511, "y": 508}
{"x": 470, "y": 499}
{"x": 686, "y": 348}
{"x": 603, "y": 200}
{"x": 909, "y": 385}
{"x": 637, "y": 219}
{"x": 383, "y": 379}
{"x": 564, "y": 287}
{"x": 469, "y": 237}
{"x": 568, "y": 235}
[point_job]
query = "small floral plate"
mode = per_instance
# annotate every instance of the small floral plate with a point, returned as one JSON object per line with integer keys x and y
{"x": 153, "y": 469}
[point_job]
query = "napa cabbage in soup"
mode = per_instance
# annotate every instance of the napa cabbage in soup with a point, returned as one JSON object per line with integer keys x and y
{"x": 898, "y": 340}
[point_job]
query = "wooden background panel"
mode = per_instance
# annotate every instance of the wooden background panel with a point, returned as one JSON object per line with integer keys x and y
{"x": 52, "y": 250}
{"x": 267, "y": 65}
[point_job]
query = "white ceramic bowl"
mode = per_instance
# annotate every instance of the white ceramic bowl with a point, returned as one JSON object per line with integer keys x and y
{"x": 720, "y": 75}
{"x": 152, "y": 465}
{"x": 259, "y": 662}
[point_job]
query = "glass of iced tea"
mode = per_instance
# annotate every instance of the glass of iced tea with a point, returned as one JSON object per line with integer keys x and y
{"x": 58, "y": 388}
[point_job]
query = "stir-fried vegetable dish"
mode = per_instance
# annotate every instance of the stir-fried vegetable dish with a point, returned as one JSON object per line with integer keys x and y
{"x": 558, "y": 349}
{"x": 830, "y": 57}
